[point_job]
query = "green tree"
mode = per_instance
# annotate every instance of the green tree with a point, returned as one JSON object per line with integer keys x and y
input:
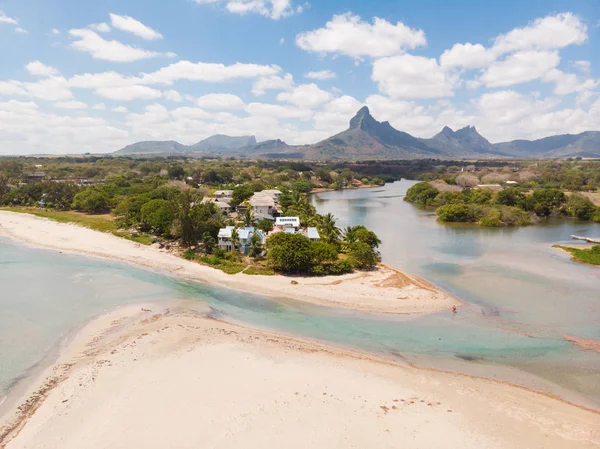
{"x": 209, "y": 243}
{"x": 324, "y": 252}
{"x": 59, "y": 195}
{"x": 290, "y": 253}
{"x": 241, "y": 194}
{"x": 265, "y": 225}
{"x": 330, "y": 233}
{"x": 580, "y": 207}
{"x": 90, "y": 200}
{"x": 363, "y": 256}
{"x": 510, "y": 197}
{"x": 235, "y": 240}
{"x": 422, "y": 193}
{"x": 176, "y": 171}
{"x": 257, "y": 248}
{"x": 248, "y": 217}
{"x": 157, "y": 216}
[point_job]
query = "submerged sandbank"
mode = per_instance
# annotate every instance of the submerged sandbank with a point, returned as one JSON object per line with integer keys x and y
{"x": 385, "y": 290}
{"x": 138, "y": 377}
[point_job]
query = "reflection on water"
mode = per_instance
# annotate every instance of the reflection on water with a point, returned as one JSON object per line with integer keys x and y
{"x": 521, "y": 297}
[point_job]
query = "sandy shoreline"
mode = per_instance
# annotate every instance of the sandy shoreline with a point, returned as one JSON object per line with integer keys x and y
{"x": 137, "y": 377}
{"x": 385, "y": 290}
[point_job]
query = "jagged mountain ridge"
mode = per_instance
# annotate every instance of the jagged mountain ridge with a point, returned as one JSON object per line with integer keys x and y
{"x": 366, "y": 138}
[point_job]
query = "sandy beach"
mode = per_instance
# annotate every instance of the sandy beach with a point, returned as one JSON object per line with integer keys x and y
{"x": 145, "y": 377}
{"x": 385, "y": 290}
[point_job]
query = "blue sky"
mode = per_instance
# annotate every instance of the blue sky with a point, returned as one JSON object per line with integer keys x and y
{"x": 92, "y": 78}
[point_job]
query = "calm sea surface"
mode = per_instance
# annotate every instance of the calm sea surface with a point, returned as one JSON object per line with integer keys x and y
{"x": 522, "y": 298}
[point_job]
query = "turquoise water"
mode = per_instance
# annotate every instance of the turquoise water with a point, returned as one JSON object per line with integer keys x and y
{"x": 521, "y": 298}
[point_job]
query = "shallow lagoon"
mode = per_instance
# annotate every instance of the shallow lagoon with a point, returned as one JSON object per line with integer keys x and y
{"x": 521, "y": 298}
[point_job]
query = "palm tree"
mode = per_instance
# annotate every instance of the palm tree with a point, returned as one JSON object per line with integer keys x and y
{"x": 330, "y": 233}
{"x": 249, "y": 217}
{"x": 235, "y": 239}
{"x": 348, "y": 236}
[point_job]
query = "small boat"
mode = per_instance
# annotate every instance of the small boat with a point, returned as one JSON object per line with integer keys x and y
{"x": 585, "y": 239}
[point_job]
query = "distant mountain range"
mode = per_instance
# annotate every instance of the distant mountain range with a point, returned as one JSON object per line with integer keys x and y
{"x": 366, "y": 138}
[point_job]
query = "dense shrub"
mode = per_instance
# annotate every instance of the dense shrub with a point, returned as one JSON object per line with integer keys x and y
{"x": 580, "y": 207}
{"x": 290, "y": 253}
{"x": 422, "y": 193}
{"x": 461, "y": 212}
{"x": 91, "y": 200}
{"x": 361, "y": 255}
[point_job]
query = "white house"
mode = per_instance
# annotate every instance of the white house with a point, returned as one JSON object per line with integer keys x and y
{"x": 222, "y": 204}
{"x": 275, "y": 194}
{"x": 262, "y": 204}
{"x": 244, "y": 238}
{"x": 312, "y": 234}
{"x": 287, "y": 222}
{"x": 224, "y": 195}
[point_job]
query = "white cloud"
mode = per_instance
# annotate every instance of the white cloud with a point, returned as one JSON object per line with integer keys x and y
{"x": 547, "y": 33}
{"x": 274, "y": 82}
{"x": 519, "y": 68}
{"x": 99, "y": 48}
{"x": 6, "y": 19}
{"x": 55, "y": 32}
{"x": 102, "y": 27}
{"x": 278, "y": 111}
{"x": 202, "y": 71}
{"x": 273, "y": 9}
{"x": 71, "y": 105}
{"x": 24, "y": 128}
{"x": 222, "y": 102}
{"x": 335, "y": 115}
{"x": 103, "y": 79}
{"x": 305, "y": 95}
{"x": 120, "y": 109}
{"x": 39, "y": 69}
{"x": 172, "y": 95}
{"x": 131, "y": 25}
{"x": 282, "y": 41}
{"x": 346, "y": 34}
{"x": 582, "y": 65}
{"x": 409, "y": 76}
{"x": 322, "y": 75}
{"x": 52, "y": 88}
{"x": 21, "y": 30}
{"x": 99, "y": 107}
{"x": 129, "y": 93}
{"x": 469, "y": 56}
{"x": 568, "y": 83}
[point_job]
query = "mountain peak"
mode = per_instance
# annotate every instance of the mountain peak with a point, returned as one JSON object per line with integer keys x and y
{"x": 447, "y": 131}
{"x": 361, "y": 116}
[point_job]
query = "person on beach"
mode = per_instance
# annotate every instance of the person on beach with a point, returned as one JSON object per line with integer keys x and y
{"x": 453, "y": 309}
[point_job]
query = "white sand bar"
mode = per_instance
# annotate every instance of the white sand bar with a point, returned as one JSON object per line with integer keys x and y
{"x": 385, "y": 290}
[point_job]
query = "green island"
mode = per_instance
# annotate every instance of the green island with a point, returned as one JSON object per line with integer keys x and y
{"x": 513, "y": 195}
{"x": 590, "y": 256}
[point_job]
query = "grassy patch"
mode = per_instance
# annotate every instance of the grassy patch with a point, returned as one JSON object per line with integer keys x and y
{"x": 590, "y": 256}
{"x": 259, "y": 270}
{"x": 225, "y": 265}
{"x": 102, "y": 223}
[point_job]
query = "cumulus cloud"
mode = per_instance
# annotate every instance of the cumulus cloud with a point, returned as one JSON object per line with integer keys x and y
{"x": 582, "y": 65}
{"x": 133, "y": 26}
{"x": 6, "y": 19}
{"x": 24, "y": 128}
{"x": 222, "y": 102}
{"x": 469, "y": 56}
{"x": 274, "y": 82}
{"x": 129, "y": 93}
{"x": 102, "y": 27}
{"x": 172, "y": 95}
{"x": 519, "y": 68}
{"x": 91, "y": 42}
{"x": 322, "y": 75}
{"x": 409, "y": 76}
{"x": 305, "y": 95}
{"x": 38, "y": 69}
{"x": 73, "y": 104}
{"x": 347, "y": 34}
{"x": 273, "y": 9}
{"x": 568, "y": 83}
{"x": 202, "y": 71}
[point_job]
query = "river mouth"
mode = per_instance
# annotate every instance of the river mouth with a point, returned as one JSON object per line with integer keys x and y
{"x": 521, "y": 299}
